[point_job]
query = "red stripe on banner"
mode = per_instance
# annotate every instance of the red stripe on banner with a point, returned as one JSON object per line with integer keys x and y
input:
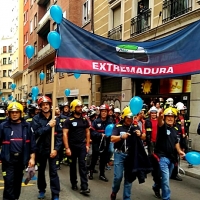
{"x": 101, "y": 67}
{"x": 27, "y": 141}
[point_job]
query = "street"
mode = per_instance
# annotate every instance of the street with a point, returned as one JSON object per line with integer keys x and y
{"x": 189, "y": 188}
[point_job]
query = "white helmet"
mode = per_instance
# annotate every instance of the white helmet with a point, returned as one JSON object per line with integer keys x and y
{"x": 170, "y": 101}
{"x": 179, "y": 103}
{"x": 153, "y": 109}
{"x": 181, "y": 107}
{"x": 117, "y": 110}
{"x": 85, "y": 109}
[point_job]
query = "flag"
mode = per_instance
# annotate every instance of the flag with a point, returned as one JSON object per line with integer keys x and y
{"x": 87, "y": 53}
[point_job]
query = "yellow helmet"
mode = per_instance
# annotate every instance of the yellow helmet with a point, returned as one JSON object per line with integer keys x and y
{"x": 75, "y": 103}
{"x": 15, "y": 106}
{"x": 127, "y": 113}
{"x": 170, "y": 111}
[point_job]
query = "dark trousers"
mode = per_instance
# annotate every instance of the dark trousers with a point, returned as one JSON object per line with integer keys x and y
{"x": 103, "y": 158}
{"x": 12, "y": 174}
{"x": 78, "y": 152}
{"x": 54, "y": 179}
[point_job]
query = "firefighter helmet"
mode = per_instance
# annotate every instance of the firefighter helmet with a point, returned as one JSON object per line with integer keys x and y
{"x": 75, "y": 103}
{"x": 15, "y": 106}
{"x": 127, "y": 113}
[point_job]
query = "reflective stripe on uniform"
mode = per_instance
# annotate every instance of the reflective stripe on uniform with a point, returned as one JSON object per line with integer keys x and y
{"x": 148, "y": 129}
{"x": 4, "y": 173}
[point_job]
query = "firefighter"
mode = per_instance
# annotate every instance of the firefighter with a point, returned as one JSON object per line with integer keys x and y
{"x": 3, "y": 107}
{"x": 64, "y": 108}
{"x": 100, "y": 143}
{"x": 18, "y": 149}
{"x": 76, "y": 138}
{"x": 24, "y": 104}
{"x": 42, "y": 126}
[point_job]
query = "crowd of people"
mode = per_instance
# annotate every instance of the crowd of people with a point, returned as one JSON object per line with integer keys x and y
{"x": 153, "y": 141}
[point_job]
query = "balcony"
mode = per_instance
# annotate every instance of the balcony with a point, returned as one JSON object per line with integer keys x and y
{"x": 42, "y": 2}
{"x": 115, "y": 33}
{"x": 44, "y": 50}
{"x": 111, "y": 1}
{"x": 6, "y": 90}
{"x": 176, "y": 8}
{"x": 44, "y": 23}
{"x": 141, "y": 23}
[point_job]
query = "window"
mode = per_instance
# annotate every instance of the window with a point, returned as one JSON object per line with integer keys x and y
{"x": 4, "y": 73}
{"x": 35, "y": 21}
{"x": 9, "y": 72}
{"x": 31, "y": 26}
{"x": 36, "y": 78}
{"x": 26, "y": 37}
{"x": 86, "y": 12}
{"x": 10, "y": 49}
{"x": 4, "y": 61}
{"x": 49, "y": 73}
{"x": 4, "y": 85}
{"x": 35, "y": 48}
{"x": 9, "y": 85}
{"x": 30, "y": 80}
{"x": 9, "y": 60}
{"x": 65, "y": 15}
{"x": 85, "y": 100}
{"x": 117, "y": 16}
{"x": 60, "y": 101}
{"x": 4, "y": 49}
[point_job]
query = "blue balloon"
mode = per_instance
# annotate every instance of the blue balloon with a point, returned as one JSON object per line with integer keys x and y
{"x": 10, "y": 97}
{"x": 34, "y": 97}
{"x": 3, "y": 98}
{"x": 13, "y": 86}
{"x": 54, "y": 39}
{"x": 56, "y": 13}
{"x": 28, "y": 102}
{"x": 35, "y": 91}
{"x": 67, "y": 92}
{"x": 109, "y": 129}
{"x": 42, "y": 76}
{"x": 76, "y": 75}
{"x": 136, "y": 104}
{"x": 193, "y": 158}
{"x": 29, "y": 51}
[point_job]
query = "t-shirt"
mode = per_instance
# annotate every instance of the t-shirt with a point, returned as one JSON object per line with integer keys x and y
{"x": 154, "y": 123}
{"x": 16, "y": 140}
{"x": 77, "y": 130}
{"x": 166, "y": 141}
{"x": 120, "y": 145}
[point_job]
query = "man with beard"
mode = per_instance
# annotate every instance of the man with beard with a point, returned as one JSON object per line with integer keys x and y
{"x": 42, "y": 125}
{"x": 76, "y": 138}
{"x": 100, "y": 143}
{"x": 18, "y": 149}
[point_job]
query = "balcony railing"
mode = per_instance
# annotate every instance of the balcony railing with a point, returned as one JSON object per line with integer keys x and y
{"x": 44, "y": 50}
{"x": 115, "y": 33}
{"x": 141, "y": 23}
{"x": 175, "y": 8}
{"x": 44, "y": 20}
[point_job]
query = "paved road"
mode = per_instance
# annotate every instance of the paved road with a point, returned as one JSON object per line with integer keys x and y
{"x": 188, "y": 189}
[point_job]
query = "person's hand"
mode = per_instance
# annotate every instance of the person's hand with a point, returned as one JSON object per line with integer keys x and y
{"x": 31, "y": 162}
{"x": 87, "y": 149}
{"x": 52, "y": 122}
{"x": 125, "y": 135}
{"x": 181, "y": 153}
{"x": 138, "y": 132}
{"x": 160, "y": 114}
{"x": 53, "y": 154}
{"x": 68, "y": 152}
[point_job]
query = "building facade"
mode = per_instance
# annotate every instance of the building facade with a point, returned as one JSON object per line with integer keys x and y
{"x": 5, "y": 67}
{"x": 43, "y": 60}
{"x": 17, "y": 46}
{"x": 122, "y": 20}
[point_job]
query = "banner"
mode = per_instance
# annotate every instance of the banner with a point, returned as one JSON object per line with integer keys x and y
{"x": 86, "y": 53}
